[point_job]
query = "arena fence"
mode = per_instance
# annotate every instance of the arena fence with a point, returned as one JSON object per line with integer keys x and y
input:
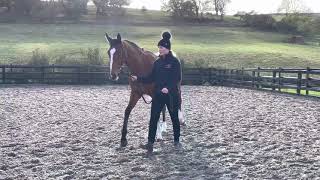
{"x": 299, "y": 81}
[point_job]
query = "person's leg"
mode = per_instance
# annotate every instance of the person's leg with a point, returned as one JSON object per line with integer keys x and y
{"x": 173, "y": 106}
{"x": 156, "y": 108}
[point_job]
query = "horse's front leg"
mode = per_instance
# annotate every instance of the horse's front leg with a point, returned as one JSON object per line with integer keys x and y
{"x": 134, "y": 97}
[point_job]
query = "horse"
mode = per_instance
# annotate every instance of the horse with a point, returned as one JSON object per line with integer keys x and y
{"x": 139, "y": 62}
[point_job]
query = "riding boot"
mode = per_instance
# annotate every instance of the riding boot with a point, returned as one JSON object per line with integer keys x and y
{"x": 177, "y": 145}
{"x": 149, "y": 150}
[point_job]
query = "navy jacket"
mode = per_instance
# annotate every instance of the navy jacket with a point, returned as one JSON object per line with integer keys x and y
{"x": 166, "y": 73}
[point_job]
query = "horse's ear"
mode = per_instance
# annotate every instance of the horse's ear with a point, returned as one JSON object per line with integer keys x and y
{"x": 108, "y": 38}
{"x": 119, "y": 37}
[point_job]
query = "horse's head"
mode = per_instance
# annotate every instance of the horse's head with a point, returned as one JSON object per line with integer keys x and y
{"x": 116, "y": 57}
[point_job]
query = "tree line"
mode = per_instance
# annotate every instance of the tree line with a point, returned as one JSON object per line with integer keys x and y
{"x": 75, "y": 8}
{"x": 296, "y": 17}
{"x": 71, "y": 8}
{"x": 195, "y": 8}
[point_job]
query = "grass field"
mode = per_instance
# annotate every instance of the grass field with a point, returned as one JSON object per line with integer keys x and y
{"x": 303, "y": 92}
{"x": 230, "y": 47}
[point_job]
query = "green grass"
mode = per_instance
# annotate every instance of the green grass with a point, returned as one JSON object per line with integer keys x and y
{"x": 303, "y": 92}
{"x": 212, "y": 46}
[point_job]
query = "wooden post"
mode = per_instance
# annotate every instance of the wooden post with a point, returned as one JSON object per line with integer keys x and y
{"x": 52, "y": 75}
{"x": 274, "y": 76}
{"x": 210, "y": 76}
{"x": 307, "y": 80}
{"x": 236, "y": 77}
{"x": 3, "y": 74}
{"x": 253, "y": 78}
{"x": 78, "y": 69}
{"x": 42, "y": 74}
{"x": 242, "y": 74}
{"x": 279, "y": 81}
{"x": 230, "y": 77}
{"x": 299, "y": 82}
{"x": 88, "y": 74}
{"x": 258, "y": 78}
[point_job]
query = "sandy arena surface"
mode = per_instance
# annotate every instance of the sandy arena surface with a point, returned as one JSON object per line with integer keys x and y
{"x": 73, "y": 132}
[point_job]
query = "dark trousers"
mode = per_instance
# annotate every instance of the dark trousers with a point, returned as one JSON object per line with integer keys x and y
{"x": 158, "y": 102}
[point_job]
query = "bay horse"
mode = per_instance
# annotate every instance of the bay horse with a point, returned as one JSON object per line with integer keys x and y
{"x": 140, "y": 63}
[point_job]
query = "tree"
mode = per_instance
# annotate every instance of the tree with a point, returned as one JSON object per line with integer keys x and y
{"x": 174, "y": 7}
{"x": 189, "y": 9}
{"x": 101, "y": 6}
{"x": 7, "y": 3}
{"x": 186, "y": 8}
{"x": 216, "y": 9}
{"x": 24, "y": 7}
{"x": 220, "y": 7}
{"x": 118, "y": 3}
{"x": 292, "y": 6}
{"x": 106, "y": 7}
{"x": 202, "y": 6}
{"x": 74, "y": 8}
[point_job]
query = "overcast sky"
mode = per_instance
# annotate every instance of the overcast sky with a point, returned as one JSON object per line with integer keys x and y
{"x": 261, "y": 6}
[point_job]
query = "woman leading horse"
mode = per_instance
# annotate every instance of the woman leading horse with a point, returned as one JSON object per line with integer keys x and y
{"x": 166, "y": 75}
{"x": 141, "y": 63}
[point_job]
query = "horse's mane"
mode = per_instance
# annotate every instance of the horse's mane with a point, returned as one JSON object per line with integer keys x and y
{"x": 134, "y": 45}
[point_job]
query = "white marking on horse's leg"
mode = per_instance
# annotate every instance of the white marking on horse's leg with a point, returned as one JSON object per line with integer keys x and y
{"x": 112, "y": 51}
{"x": 180, "y": 115}
{"x": 159, "y": 132}
{"x": 164, "y": 126}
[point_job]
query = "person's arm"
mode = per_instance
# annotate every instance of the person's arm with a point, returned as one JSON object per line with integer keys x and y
{"x": 176, "y": 76}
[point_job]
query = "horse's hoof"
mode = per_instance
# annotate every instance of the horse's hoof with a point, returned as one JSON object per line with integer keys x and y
{"x": 124, "y": 143}
{"x": 159, "y": 139}
{"x": 183, "y": 123}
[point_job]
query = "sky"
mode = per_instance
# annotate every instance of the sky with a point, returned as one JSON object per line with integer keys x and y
{"x": 260, "y": 6}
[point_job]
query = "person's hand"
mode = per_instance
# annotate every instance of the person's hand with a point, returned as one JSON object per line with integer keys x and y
{"x": 165, "y": 90}
{"x": 134, "y": 78}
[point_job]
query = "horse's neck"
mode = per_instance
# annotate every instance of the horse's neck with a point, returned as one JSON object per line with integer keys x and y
{"x": 140, "y": 63}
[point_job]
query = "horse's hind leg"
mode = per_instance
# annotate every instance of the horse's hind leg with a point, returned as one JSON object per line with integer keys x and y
{"x": 132, "y": 102}
{"x": 162, "y": 125}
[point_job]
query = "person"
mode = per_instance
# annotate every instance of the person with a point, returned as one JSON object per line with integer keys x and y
{"x": 166, "y": 75}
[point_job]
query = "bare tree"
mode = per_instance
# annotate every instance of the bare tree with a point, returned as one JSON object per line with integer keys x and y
{"x": 216, "y": 9}
{"x": 105, "y": 7}
{"x": 101, "y": 6}
{"x": 293, "y": 6}
{"x": 202, "y": 6}
{"x": 190, "y": 8}
{"x": 220, "y": 7}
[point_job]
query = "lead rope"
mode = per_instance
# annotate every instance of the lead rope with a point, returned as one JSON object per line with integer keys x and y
{"x": 140, "y": 89}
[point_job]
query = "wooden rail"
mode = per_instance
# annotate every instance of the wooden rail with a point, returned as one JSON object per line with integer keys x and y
{"x": 279, "y": 79}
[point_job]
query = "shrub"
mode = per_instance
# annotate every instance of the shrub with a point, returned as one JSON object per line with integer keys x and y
{"x": 296, "y": 23}
{"x": 144, "y": 9}
{"x": 265, "y": 22}
{"x": 92, "y": 56}
{"x": 38, "y": 58}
